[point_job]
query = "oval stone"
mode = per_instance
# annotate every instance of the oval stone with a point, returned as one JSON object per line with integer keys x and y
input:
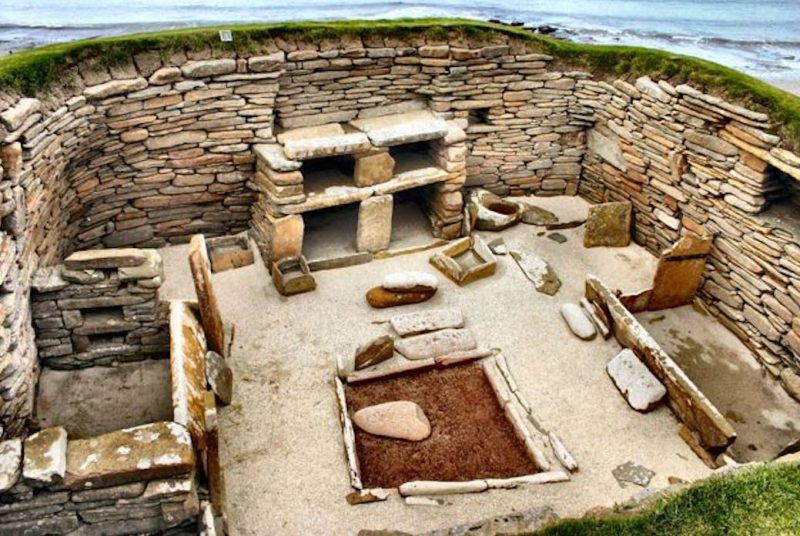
{"x": 410, "y": 282}
{"x": 578, "y": 322}
{"x": 400, "y": 419}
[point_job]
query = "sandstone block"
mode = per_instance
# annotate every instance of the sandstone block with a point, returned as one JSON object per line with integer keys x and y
{"x": 187, "y": 357}
{"x": 219, "y": 376}
{"x": 374, "y": 352}
{"x": 14, "y": 117}
{"x": 272, "y": 154}
{"x": 538, "y": 271}
{"x": 410, "y": 127}
{"x": 204, "y": 68}
{"x": 166, "y": 75}
{"x": 608, "y": 224}
{"x": 206, "y": 297}
{"x": 410, "y": 282}
{"x": 374, "y": 230}
{"x": 45, "y": 457}
{"x": 578, "y": 323}
{"x": 373, "y": 168}
{"x": 114, "y": 87}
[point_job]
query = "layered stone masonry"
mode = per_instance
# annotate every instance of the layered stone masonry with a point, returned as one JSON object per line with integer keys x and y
{"x": 685, "y": 158}
{"x": 98, "y": 308}
{"x": 138, "y": 480}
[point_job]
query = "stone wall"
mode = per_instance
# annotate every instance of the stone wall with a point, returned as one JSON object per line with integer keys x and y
{"x": 99, "y": 308}
{"x": 137, "y": 480}
{"x": 160, "y": 145}
{"x": 686, "y": 158}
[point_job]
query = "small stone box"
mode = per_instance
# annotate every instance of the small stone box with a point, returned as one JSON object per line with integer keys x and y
{"x": 466, "y": 260}
{"x": 229, "y": 252}
{"x": 292, "y": 276}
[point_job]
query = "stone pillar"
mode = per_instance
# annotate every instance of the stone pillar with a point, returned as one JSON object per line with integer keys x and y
{"x": 375, "y": 223}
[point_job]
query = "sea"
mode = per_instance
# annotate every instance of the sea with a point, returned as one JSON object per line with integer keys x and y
{"x": 760, "y": 37}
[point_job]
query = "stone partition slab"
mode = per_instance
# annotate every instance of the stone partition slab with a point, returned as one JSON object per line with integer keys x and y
{"x": 187, "y": 367}
{"x": 712, "y": 431}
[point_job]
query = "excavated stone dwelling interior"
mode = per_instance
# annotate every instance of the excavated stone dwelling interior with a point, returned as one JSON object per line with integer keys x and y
{"x": 587, "y": 287}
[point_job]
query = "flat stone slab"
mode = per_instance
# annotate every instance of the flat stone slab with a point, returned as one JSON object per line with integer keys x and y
{"x": 438, "y": 343}
{"x": 634, "y": 380}
{"x": 45, "y": 457}
{"x": 425, "y": 321}
{"x": 579, "y": 324}
{"x": 187, "y": 369}
{"x": 400, "y": 419}
{"x": 219, "y": 376}
{"x": 608, "y": 224}
{"x": 632, "y": 473}
{"x": 410, "y": 282}
{"x": 409, "y": 127}
{"x": 147, "y": 452}
{"x": 272, "y": 154}
{"x": 533, "y": 215}
{"x": 92, "y": 259}
{"x": 322, "y": 141}
{"x": 374, "y": 352}
{"x": 380, "y": 298}
{"x": 10, "y": 463}
{"x": 538, "y": 271}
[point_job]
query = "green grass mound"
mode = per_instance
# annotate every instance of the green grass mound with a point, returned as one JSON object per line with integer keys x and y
{"x": 31, "y": 71}
{"x": 763, "y": 501}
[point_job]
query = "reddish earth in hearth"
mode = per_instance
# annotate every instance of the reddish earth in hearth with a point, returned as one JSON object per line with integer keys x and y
{"x": 471, "y": 437}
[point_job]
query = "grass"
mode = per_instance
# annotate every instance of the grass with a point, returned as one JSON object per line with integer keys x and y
{"x": 34, "y": 70}
{"x": 762, "y": 501}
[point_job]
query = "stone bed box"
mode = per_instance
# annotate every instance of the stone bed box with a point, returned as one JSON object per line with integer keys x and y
{"x": 465, "y": 260}
{"x": 229, "y": 252}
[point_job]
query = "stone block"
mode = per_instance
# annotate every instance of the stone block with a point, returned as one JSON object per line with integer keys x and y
{"x": 10, "y": 463}
{"x": 373, "y": 168}
{"x": 608, "y": 224}
{"x": 45, "y": 457}
{"x": 147, "y": 452}
{"x": 206, "y": 297}
{"x": 152, "y": 267}
{"x": 205, "y": 68}
{"x": 398, "y": 129}
{"x": 187, "y": 351}
{"x": 634, "y": 380}
{"x": 374, "y": 232}
{"x": 91, "y": 259}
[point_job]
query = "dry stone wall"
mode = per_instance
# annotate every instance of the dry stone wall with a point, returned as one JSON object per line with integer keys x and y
{"x": 160, "y": 146}
{"x": 685, "y": 158}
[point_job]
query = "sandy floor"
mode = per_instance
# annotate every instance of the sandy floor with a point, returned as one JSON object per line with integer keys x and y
{"x": 281, "y": 441}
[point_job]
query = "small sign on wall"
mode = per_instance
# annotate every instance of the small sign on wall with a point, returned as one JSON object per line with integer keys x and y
{"x": 225, "y": 36}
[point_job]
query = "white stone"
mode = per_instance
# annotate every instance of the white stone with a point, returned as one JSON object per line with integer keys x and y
{"x": 10, "y": 463}
{"x": 635, "y": 381}
{"x": 17, "y": 114}
{"x": 399, "y": 419}
{"x": 425, "y": 321}
{"x": 438, "y": 343}
{"x": 547, "y": 477}
{"x": 374, "y": 231}
{"x": 45, "y": 457}
{"x": 435, "y": 487}
{"x": 406, "y": 281}
{"x": 578, "y": 322}
{"x": 272, "y": 154}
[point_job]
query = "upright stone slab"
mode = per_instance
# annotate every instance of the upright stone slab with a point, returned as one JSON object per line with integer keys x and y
{"x": 206, "y": 298}
{"x": 373, "y": 168}
{"x": 187, "y": 370}
{"x": 147, "y": 452}
{"x": 680, "y": 272}
{"x": 45, "y": 457}
{"x": 608, "y": 224}
{"x": 375, "y": 223}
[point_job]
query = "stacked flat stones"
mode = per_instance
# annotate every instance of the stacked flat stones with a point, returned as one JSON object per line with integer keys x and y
{"x": 685, "y": 158}
{"x": 110, "y": 295}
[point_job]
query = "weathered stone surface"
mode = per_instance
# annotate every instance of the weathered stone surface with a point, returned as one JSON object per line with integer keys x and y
{"x": 438, "y": 343}
{"x": 634, "y": 380}
{"x": 374, "y": 352}
{"x": 410, "y": 282}
{"x": 10, "y": 463}
{"x": 364, "y": 496}
{"x": 292, "y": 276}
{"x": 322, "y": 141}
{"x": 608, "y": 224}
{"x": 206, "y": 297}
{"x": 275, "y": 158}
{"x": 229, "y": 252}
{"x": 204, "y": 68}
{"x": 606, "y": 147}
{"x": 557, "y": 238}
{"x": 465, "y": 260}
{"x": 114, "y": 87}
{"x": 491, "y": 212}
{"x": 15, "y": 116}
{"x": 791, "y": 382}
{"x": 187, "y": 349}
{"x": 45, "y": 457}
{"x": 156, "y": 450}
{"x": 400, "y": 419}
{"x": 425, "y": 321}
{"x": 533, "y": 215}
{"x": 410, "y": 127}
{"x": 632, "y": 473}
{"x": 219, "y": 376}
{"x": 579, "y": 324}
{"x": 374, "y": 231}
{"x": 538, "y": 271}
{"x": 166, "y": 75}
{"x": 174, "y": 140}
{"x": 712, "y": 143}
{"x": 284, "y": 237}
{"x": 381, "y": 298}
{"x": 91, "y": 259}
{"x": 373, "y": 168}
{"x": 434, "y": 487}
{"x": 152, "y": 267}
{"x": 679, "y": 272}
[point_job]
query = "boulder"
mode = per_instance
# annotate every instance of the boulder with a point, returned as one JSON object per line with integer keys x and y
{"x": 425, "y": 321}
{"x": 380, "y": 298}
{"x": 634, "y": 380}
{"x": 400, "y": 419}
{"x": 608, "y": 224}
{"x": 438, "y": 343}
{"x": 410, "y": 282}
{"x": 219, "y": 377}
{"x": 578, "y": 323}
{"x": 374, "y": 352}
{"x": 45, "y": 457}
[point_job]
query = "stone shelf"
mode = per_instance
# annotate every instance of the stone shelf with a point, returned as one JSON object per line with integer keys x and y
{"x": 398, "y": 129}
{"x": 322, "y": 141}
{"x": 341, "y": 195}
